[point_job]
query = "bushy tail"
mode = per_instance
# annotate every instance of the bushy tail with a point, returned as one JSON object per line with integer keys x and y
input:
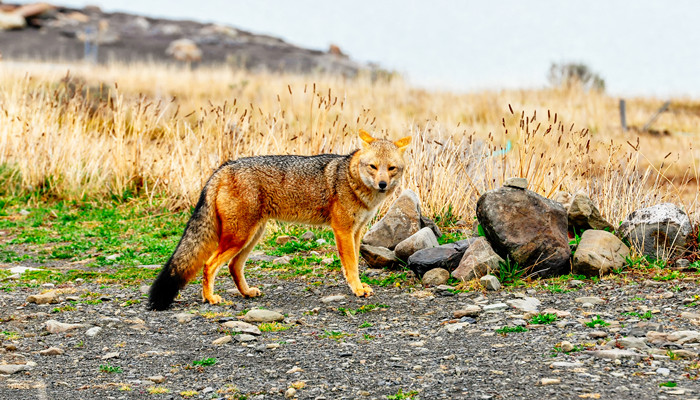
{"x": 197, "y": 243}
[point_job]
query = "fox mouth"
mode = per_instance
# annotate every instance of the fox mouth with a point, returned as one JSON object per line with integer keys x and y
{"x": 382, "y": 190}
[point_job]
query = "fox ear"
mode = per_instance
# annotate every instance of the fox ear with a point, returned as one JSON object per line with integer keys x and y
{"x": 403, "y": 143}
{"x": 366, "y": 137}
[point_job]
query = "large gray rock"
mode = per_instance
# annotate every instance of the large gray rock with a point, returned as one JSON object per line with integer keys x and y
{"x": 446, "y": 256}
{"x": 420, "y": 240}
{"x": 378, "y": 257}
{"x": 401, "y": 221}
{"x": 478, "y": 260}
{"x": 526, "y": 227}
{"x": 598, "y": 253}
{"x": 583, "y": 215}
{"x": 657, "y": 231}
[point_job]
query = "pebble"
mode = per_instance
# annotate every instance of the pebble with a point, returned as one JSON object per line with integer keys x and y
{"x": 94, "y": 331}
{"x": 525, "y": 304}
{"x": 156, "y": 378}
{"x": 114, "y": 354}
{"x": 518, "y": 183}
{"x": 576, "y": 283}
{"x": 590, "y": 299}
{"x": 332, "y": 298}
{"x": 243, "y": 327}
{"x": 597, "y": 334}
{"x": 51, "y": 351}
{"x": 663, "y": 371}
{"x": 244, "y": 337}
{"x": 490, "y": 282}
{"x": 112, "y": 257}
{"x": 184, "y": 318}
{"x": 259, "y": 315}
{"x": 497, "y": 307}
{"x": 291, "y": 392}
{"x": 284, "y": 260}
{"x": 49, "y": 297}
{"x": 283, "y": 239}
{"x": 566, "y": 346}
{"x": 59, "y": 327}
{"x": 321, "y": 241}
{"x": 616, "y": 354}
{"x": 308, "y": 235}
{"x": 8, "y": 369}
{"x": 222, "y": 340}
{"x": 566, "y": 364}
{"x": 550, "y": 381}
{"x": 435, "y": 277}
{"x": 468, "y": 311}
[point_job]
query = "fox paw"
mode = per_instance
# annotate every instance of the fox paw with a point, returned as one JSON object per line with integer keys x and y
{"x": 363, "y": 291}
{"x": 214, "y": 299}
{"x": 252, "y": 292}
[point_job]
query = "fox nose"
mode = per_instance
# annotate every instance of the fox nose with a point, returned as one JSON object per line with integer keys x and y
{"x": 382, "y": 185}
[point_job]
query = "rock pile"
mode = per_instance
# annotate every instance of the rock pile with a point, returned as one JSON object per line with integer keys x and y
{"x": 524, "y": 231}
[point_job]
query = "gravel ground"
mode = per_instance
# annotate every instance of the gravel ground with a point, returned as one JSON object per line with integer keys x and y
{"x": 404, "y": 343}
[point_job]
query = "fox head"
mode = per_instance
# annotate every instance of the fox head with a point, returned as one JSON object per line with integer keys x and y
{"x": 381, "y": 162}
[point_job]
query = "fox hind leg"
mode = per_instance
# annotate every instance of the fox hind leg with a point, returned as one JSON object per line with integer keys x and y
{"x": 237, "y": 265}
{"x": 211, "y": 268}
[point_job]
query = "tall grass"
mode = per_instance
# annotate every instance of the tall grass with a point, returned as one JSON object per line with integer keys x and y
{"x": 151, "y": 130}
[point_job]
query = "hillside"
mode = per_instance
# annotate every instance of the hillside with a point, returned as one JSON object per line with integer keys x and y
{"x": 44, "y": 32}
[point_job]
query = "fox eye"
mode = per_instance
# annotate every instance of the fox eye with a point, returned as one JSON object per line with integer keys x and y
{"x": 373, "y": 166}
{"x": 392, "y": 168}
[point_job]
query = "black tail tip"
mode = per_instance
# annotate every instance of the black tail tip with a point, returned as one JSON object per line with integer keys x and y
{"x": 163, "y": 291}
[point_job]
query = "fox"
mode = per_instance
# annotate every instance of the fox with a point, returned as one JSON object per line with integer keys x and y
{"x": 241, "y": 196}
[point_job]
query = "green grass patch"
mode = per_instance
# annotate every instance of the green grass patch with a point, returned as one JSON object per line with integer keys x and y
{"x": 272, "y": 327}
{"x": 511, "y": 329}
{"x": 111, "y": 369}
{"x": 205, "y": 362}
{"x": 543, "y": 319}
{"x": 668, "y": 384}
{"x": 401, "y": 395}
{"x": 393, "y": 279}
{"x": 645, "y": 315}
{"x": 597, "y": 321}
{"x": 335, "y": 335}
{"x": 362, "y": 309}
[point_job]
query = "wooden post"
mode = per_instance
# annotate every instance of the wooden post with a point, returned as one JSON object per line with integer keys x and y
{"x": 623, "y": 117}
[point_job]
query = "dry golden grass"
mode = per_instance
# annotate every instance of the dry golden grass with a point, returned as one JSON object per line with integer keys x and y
{"x": 156, "y": 130}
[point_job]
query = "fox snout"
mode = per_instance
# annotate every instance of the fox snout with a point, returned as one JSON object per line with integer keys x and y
{"x": 382, "y": 185}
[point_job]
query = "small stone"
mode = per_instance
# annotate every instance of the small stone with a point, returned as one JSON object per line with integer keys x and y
{"x": 258, "y": 315}
{"x": 49, "y": 297}
{"x": 468, "y": 311}
{"x": 51, "y": 351}
{"x": 377, "y": 256}
{"x": 272, "y": 346}
{"x": 242, "y": 327}
{"x": 244, "y": 337}
{"x": 616, "y": 354}
{"x": 597, "y": 335}
{"x": 527, "y": 304}
{"x": 452, "y": 328}
{"x": 663, "y": 371}
{"x": 321, "y": 241}
{"x": 291, "y": 392}
{"x": 308, "y": 236}
{"x": 420, "y": 240}
{"x": 590, "y": 299}
{"x": 8, "y": 369}
{"x": 222, "y": 340}
{"x": 683, "y": 337}
{"x": 112, "y": 257}
{"x": 333, "y": 298}
{"x": 435, "y": 277}
{"x": 156, "y": 378}
{"x": 566, "y": 364}
{"x": 294, "y": 370}
{"x": 566, "y": 346}
{"x": 559, "y": 313}
{"x": 283, "y": 239}
{"x": 629, "y": 343}
{"x": 682, "y": 263}
{"x": 92, "y": 332}
{"x": 490, "y": 282}
{"x": 284, "y": 260}
{"x": 550, "y": 381}
{"x": 576, "y": 283}
{"x": 519, "y": 183}
{"x": 184, "y": 318}
{"x": 59, "y": 327}
{"x": 114, "y": 354}
{"x": 497, "y": 307}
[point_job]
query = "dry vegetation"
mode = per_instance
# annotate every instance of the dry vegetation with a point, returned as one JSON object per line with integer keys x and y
{"x": 157, "y": 131}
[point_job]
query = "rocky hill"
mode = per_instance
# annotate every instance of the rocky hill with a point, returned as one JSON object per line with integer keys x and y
{"x": 42, "y": 31}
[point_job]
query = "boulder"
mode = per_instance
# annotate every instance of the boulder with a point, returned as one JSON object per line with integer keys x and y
{"x": 184, "y": 50}
{"x": 526, "y": 227}
{"x": 401, "y": 221}
{"x": 446, "y": 256}
{"x": 583, "y": 215}
{"x": 657, "y": 231}
{"x": 420, "y": 240}
{"x": 378, "y": 257}
{"x": 10, "y": 20}
{"x": 478, "y": 260}
{"x": 598, "y": 253}
{"x": 435, "y": 277}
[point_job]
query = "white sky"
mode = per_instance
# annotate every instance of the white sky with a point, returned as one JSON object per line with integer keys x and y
{"x": 646, "y": 47}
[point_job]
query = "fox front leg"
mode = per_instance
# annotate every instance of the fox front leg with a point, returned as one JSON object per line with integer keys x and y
{"x": 345, "y": 240}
